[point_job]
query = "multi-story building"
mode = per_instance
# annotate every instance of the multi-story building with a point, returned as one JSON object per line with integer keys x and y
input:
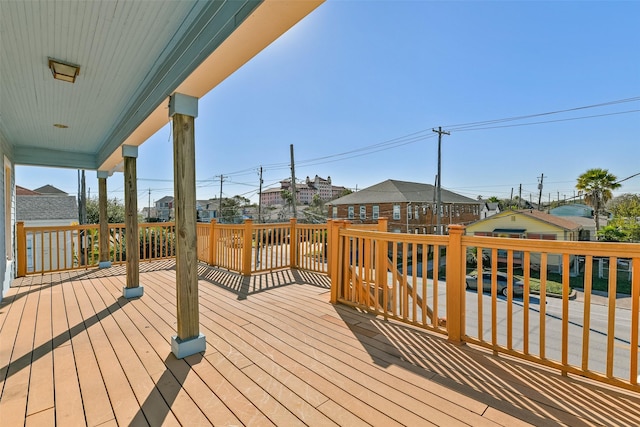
{"x": 305, "y": 192}
{"x": 410, "y": 207}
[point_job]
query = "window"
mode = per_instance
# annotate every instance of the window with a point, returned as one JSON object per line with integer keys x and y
{"x": 376, "y": 212}
{"x": 334, "y": 212}
{"x": 350, "y": 212}
{"x": 409, "y": 215}
{"x": 396, "y": 212}
{"x": 363, "y": 212}
{"x": 417, "y": 212}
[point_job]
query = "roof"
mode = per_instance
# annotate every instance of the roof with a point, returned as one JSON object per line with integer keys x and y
{"x": 572, "y": 210}
{"x": 21, "y": 191}
{"x": 393, "y": 191}
{"x": 46, "y": 207}
{"x": 165, "y": 199}
{"x": 562, "y": 222}
{"x": 132, "y": 55}
{"x": 51, "y": 190}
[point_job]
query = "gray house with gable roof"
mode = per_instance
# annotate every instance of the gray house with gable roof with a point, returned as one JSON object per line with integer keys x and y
{"x": 56, "y": 208}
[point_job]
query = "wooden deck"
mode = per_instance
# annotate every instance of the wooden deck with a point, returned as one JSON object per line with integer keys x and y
{"x": 74, "y": 352}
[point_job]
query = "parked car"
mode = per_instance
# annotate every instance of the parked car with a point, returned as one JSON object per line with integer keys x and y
{"x": 418, "y": 268}
{"x": 518, "y": 285}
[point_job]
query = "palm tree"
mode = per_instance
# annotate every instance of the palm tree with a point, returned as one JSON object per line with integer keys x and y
{"x": 597, "y": 185}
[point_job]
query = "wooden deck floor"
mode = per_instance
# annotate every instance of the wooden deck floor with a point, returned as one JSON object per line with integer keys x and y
{"x": 74, "y": 352}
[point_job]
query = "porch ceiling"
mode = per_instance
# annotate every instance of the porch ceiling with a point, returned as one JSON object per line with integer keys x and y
{"x": 132, "y": 55}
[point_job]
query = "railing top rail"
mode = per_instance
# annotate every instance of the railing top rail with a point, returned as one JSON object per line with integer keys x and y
{"x": 391, "y": 237}
{"x": 574, "y": 247}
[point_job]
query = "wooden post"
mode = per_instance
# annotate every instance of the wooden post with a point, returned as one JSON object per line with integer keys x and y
{"x": 382, "y": 260}
{"x": 336, "y": 262}
{"x": 328, "y": 245}
{"x": 293, "y": 244}
{"x": 383, "y": 224}
{"x": 103, "y": 237}
{"x": 455, "y": 284}
{"x": 133, "y": 288}
{"x": 21, "y": 237}
{"x": 212, "y": 243}
{"x": 188, "y": 340}
{"x": 247, "y": 247}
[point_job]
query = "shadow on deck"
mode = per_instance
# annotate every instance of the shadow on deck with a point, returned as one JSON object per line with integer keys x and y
{"x": 278, "y": 353}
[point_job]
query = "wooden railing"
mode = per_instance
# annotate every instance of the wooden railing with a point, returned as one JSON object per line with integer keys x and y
{"x": 58, "y": 248}
{"x": 400, "y": 276}
{"x": 420, "y": 280}
{"x": 252, "y": 248}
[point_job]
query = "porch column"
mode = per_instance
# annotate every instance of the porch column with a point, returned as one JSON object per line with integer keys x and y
{"x": 184, "y": 109}
{"x": 104, "y": 220}
{"x": 133, "y": 288}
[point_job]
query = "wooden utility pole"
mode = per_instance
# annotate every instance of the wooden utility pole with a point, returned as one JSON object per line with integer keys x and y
{"x": 440, "y": 132}
{"x": 220, "y": 201}
{"x": 520, "y": 197}
{"x": 260, "y": 197}
{"x": 540, "y": 192}
{"x": 294, "y": 192}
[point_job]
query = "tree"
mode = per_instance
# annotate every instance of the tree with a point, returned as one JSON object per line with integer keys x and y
{"x": 287, "y": 197}
{"x": 597, "y": 185}
{"x": 115, "y": 211}
{"x": 345, "y": 192}
{"x": 625, "y": 225}
{"x": 625, "y": 206}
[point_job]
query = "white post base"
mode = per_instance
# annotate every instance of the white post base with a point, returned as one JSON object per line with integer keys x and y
{"x": 188, "y": 347}
{"x": 136, "y": 292}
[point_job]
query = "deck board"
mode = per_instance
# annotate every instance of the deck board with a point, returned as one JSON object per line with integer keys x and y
{"x": 74, "y": 352}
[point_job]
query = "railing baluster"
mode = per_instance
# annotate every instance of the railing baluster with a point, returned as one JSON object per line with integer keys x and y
{"x": 586, "y": 319}
{"x": 611, "y": 321}
{"x": 480, "y": 290}
{"x": 543, "y": 303}
{"x": 565, "y": 311}
{"x": 526, "y": 269}
{"x": 635, "y": 310}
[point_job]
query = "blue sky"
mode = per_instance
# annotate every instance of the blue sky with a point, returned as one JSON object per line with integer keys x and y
{"x": 355, "y": 74}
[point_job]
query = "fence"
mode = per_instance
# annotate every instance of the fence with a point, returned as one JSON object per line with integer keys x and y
{"x": 252, "y": 248}
{"x": 58, "y": 248}
{"x": 400, "y": 276}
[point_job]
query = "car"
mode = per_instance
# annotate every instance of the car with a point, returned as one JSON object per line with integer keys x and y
{"x": 418, "y": 269}
{"x": 502, "y": 278}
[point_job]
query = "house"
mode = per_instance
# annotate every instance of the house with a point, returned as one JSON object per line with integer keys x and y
{"x": 51, "y": 190}
{"x": 410, "y": 207}
{"x": 97, "y": 115}
{"x": 574, "y": 209}
{"x": 164, "y": 208}
{"x": 526, "y": 224}
{"x": 44, "y": 210}
{"x": 488, "y": 209}
{"x": 530, "y": 224}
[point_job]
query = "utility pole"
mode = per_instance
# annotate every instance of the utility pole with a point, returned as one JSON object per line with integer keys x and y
{"x": 149, "y": 207}
{"x": 294, "y": 190}
{"x": 220, "y": 201}
{"x": 82, "y": 198}
{"x": 260, "y": 197}
{"x": 540, "y": 192}
{"x": 439, "y": 189}
{"x": 520, "y": 196}
{"x": 511, "y": 200}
